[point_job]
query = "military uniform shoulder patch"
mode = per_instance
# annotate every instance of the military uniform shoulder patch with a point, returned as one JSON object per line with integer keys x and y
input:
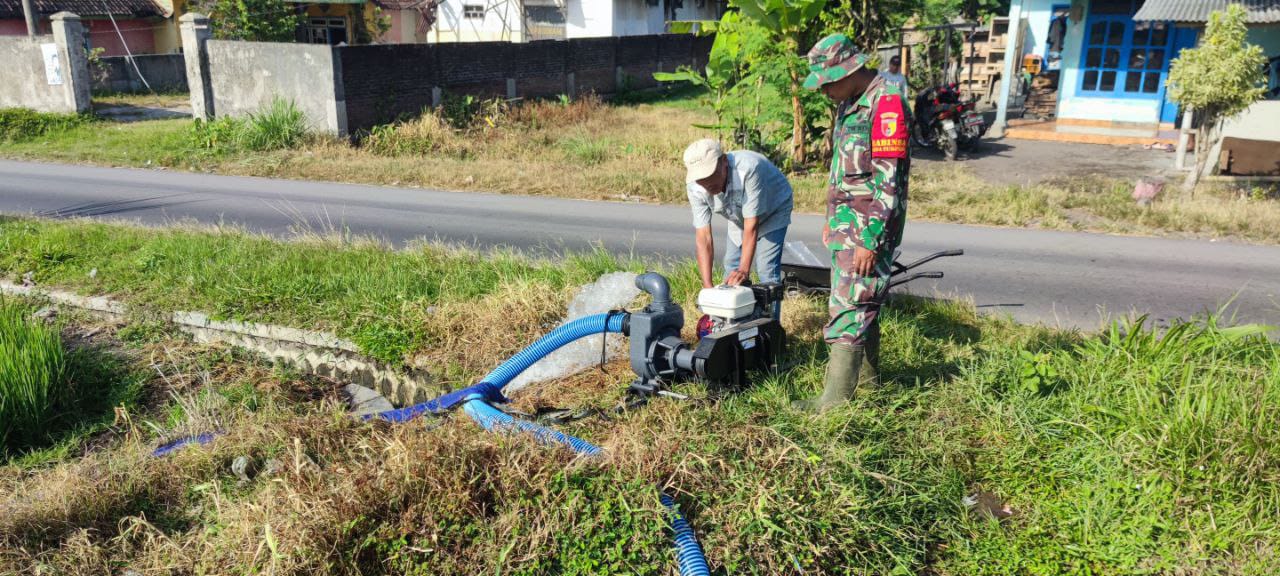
{"x": 889, "y": 128}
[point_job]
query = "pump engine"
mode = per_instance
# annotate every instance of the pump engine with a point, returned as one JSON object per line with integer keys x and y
{"x": 742, "y": 336}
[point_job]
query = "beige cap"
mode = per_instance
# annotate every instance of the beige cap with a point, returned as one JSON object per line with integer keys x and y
{"x": 701, "y": 158}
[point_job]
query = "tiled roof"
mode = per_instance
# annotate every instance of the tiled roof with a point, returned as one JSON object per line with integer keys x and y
{"x": 1260, "y": 11}
{"x": 137, "y": 8}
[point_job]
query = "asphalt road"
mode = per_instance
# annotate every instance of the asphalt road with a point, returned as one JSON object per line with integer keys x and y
{"x": 1058, "y": 278}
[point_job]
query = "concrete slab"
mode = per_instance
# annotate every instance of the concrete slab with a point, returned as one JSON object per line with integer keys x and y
{"x": 364, "y": 401}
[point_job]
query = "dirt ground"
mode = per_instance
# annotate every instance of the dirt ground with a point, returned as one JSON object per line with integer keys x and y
{"x": 1022, "y": 162}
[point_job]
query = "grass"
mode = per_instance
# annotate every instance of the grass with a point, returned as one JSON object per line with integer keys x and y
{"x": 1130, "y": 451}
{"x": 31, "y": 374}
{"x": 590, "y": 150}
{"x": 277, "y": 126}
{"x": 23, "y": 125}
{"x": 57, "y": 387}
{"x": 377, "y": 297}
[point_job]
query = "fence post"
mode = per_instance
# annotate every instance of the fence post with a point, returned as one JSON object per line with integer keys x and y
{"x": 195, "y": 34}
{"x": 68, "y": 34}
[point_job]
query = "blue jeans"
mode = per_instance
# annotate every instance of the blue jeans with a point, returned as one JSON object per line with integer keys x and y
{"x": 768, "y": 259}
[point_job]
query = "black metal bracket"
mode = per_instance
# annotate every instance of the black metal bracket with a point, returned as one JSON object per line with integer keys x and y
{"x": 818, "y": 278}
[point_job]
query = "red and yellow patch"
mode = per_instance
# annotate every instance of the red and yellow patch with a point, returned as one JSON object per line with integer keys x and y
{"x": 889, "y": 129}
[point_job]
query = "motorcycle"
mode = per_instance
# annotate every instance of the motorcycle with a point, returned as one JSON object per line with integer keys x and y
{"x": 944, "y": 121}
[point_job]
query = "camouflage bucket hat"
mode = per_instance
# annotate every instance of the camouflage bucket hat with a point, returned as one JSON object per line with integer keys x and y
{"x": 831, "y": 59}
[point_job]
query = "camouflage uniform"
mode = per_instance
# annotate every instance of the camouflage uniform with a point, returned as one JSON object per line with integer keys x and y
{"x": 866, "y": 192}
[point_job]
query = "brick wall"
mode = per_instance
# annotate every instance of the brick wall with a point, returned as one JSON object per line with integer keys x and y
{"x": 385, "y": 82}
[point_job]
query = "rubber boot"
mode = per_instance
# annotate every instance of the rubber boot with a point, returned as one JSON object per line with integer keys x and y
{"x": 870, "y": 374}
{"x": 841, "y": 382}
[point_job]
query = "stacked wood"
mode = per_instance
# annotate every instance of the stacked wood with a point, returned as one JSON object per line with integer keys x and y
{"x": 982, "y": 66}
{"x": 1042, "y": 100}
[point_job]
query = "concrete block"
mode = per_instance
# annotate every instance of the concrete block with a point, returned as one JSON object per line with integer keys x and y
{"x": 195, "y": 36}
{"x": 310, "y": 352}
{"x": 69, "y": 35}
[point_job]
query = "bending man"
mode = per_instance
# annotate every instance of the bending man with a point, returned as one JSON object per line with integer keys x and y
{"x": 753, "y": 196}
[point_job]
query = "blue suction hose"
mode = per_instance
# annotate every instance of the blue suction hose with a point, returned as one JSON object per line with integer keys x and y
{"x": 495, "y": 420}
{"x": 490, "y": 387}
{"x": 473, "y": 399}
{"x": 566, "y": 333}
{"x": 689, "y": 554}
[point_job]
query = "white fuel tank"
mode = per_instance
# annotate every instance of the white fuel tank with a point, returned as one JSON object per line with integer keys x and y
{"x": 728, "y": 302}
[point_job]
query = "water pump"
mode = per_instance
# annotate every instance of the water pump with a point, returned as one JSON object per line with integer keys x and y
{"x": 743, "y": 335}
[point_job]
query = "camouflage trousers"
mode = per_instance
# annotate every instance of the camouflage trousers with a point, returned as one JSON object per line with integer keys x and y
{"x": 855, "y": 300}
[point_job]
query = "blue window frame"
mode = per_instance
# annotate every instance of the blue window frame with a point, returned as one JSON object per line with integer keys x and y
{"x": 1122, "y": 58}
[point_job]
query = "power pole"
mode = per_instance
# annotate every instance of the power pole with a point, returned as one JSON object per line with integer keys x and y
{"x": 29, "y": 11}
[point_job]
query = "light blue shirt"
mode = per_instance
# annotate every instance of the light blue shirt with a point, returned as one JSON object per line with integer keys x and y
{"x": 756, "y": 189}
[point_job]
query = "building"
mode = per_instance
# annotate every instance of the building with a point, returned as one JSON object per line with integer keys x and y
{"x": 1104, "y": 63}
{"x": 526, "y": 20}
{"x": 145, "y": 26}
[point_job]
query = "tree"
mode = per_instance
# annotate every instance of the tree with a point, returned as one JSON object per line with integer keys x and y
{"x": 1217, "y": 79}
{"x": 789, "y": 25}
{"x": 254, "y": 20}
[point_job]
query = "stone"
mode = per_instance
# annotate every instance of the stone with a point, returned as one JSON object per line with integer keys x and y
{"x": 364, "y": 401}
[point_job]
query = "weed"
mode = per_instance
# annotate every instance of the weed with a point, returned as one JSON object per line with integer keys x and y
{"x": 425, "y": 135}
{"x": 219, "y": 134}
{"x": 279, "y": 126}
{"x": 586, "y": 151}
{"x": 25, "y": 125}
{"x": 32, "y": 375}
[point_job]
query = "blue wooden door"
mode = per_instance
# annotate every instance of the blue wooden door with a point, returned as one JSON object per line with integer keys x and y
{"x": 1182, "y": 38}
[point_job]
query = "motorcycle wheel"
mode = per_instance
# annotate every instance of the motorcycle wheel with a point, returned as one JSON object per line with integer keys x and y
{"x": 948, "y": 146}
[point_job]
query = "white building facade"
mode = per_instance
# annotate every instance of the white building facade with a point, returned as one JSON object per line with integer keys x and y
{"x": 526, "y": 20}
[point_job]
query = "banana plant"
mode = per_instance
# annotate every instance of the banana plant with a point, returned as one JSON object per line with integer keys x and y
{"x": 788, "y": 24}
{"x": 725, "y": 75}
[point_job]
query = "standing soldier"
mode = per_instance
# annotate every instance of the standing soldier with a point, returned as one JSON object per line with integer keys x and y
{"x": 866, "y": 210}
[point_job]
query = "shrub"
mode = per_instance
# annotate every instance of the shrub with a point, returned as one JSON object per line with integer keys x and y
{"x": 277, "y": 126}
{"x": 32, "y": 367}
{"x": 23, "y": 124}
{"x": 280, "y": 125}
{"x": 218, "y": 134}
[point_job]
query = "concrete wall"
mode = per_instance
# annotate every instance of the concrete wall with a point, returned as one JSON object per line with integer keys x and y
{"x": 353, "y": 88}
{"x": 588, "y": 18}
{"x": 637, "y": 17}
{"x": 247, "y": 76}
{"x": 1261, "y": 121}
{"x": 164, "y": 72}
{"x": 139, "y": 35}
{"x": 503, "y": 22}
{"x": 383, "y": 83}
{"x": 13, "y": 27}
{"x": 23, "y": 79}
{"x": 692, "y": 11}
